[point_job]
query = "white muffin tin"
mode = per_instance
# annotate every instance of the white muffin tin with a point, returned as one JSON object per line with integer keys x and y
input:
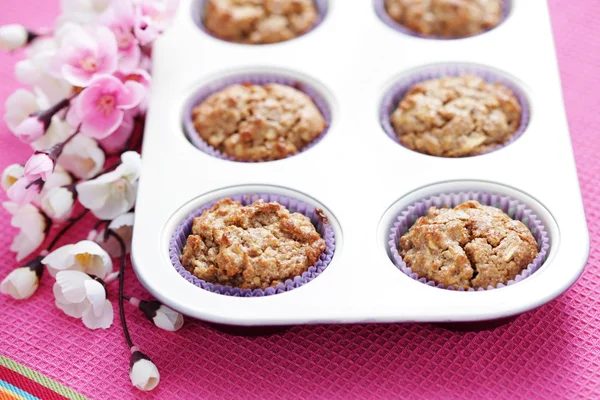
{"x": 357, "y": 174}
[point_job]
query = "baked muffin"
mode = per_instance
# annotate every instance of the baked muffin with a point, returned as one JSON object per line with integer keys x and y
{"x": 468, "y": 246}
{"x": 258, "y": 122}
{"x": 446, "y": 18}
{"x": 251, "y": 247}
{"x": 456, "y": 116}
{"x": 259, "y": 21}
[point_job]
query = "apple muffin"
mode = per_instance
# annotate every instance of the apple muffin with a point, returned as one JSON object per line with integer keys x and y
{"x": 259, "y": 21}
{"x": 446, "y": 18}
{"x": 468, "y": 246}
{"x": 251, "y": 122}
{"x": 456, "y": 116}
{"x": 251, "y": 247}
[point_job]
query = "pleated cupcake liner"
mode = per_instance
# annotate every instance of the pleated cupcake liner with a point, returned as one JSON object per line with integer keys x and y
{"x": 383, "y": 15}
{"x": 399, "y": 89}
{"x": 198, "y": 15}
{"x": 514, "y": 208}
{"x": 179, "y": 240}
{"x": 258, "y": 79}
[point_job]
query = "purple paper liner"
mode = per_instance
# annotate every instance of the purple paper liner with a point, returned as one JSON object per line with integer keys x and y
{"x": 514, "y": 208}
{"x": 389, "y": 21}
{"x": 179, "y": 239}
{"x": 198, "y": 14}
{"x": 257, "y": 78}
{"x": 396, "y": 93}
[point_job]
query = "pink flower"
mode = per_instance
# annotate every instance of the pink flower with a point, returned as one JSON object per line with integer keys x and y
{"x": 85, "y": 54}
{"x": 152, "y": 18}
{"x": 120, "y": 19}
{"x": 116, "y": 142}
{"x": 39, "y": 166}
{"x": 100, "y": 108}
{"x": 25, "y": 190}
{"x": 30, "y": 130}
{"x": 142, "y": 77}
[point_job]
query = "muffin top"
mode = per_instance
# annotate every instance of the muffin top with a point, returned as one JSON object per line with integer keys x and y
{"x": 251, "y": 247}
{"x": 468, "y": 246}
{"x": 258, "y": 122}
{"x": 456, "y": 116}
{"x": 259, "y": 21}
{"x": 446, "y": 18}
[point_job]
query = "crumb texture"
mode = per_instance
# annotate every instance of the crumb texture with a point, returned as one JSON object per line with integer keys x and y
{"x": 456, "y": 116}
{"x": 259, "y": 21}
{"x": 468, "y": 246}
{"x": 251, "y": 247}
{"x": 258, "y": 122}
{"x": 446, "y": 18}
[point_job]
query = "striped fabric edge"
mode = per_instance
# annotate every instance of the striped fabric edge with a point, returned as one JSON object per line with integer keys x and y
{"x": 42, "y": 386}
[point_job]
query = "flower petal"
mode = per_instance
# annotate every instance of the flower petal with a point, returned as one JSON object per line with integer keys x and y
{"x": 103, "y": 320}
{"x": 59, "y": 260}
{"x": 96, "y": 294}
{"x": 74, "y": 310}
{"x": 72, "y": 285}
{"x": 21, "y": 283}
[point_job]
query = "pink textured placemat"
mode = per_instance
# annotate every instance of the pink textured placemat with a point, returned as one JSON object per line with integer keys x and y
{"x": 552, "y": 352}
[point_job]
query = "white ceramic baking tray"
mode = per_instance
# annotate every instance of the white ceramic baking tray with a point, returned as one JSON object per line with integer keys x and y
{"x": 357, "y": 174}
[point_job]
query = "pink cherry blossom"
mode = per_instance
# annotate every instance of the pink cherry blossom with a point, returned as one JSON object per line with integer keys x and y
{"x": 152, "y": 18}
{"x": 142, "y": 77}
{"x": 39, "y": 166}
{"x": 85, "y": 54}
{"x": 117, "y": 141}
{"x": 120, "y": 19}
{"x": 25, "y": 190}
{"x": 30, "y": 130}
{"x": 100, "y": 108}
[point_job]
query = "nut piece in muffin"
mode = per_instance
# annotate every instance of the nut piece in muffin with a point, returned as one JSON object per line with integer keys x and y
{"x": 259, "y": 21}
{"x": 258, "y": 122}
{"x": 251, "y": 247}
{"x": 446, "y": 18}
{"x": 468, "y": 246}
{"x": 456, "y": 116}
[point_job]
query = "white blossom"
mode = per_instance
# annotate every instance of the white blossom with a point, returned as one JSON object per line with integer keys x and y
{"x": 13, "y": 37}
{"x": 82, "y": 157}
{"x": 123, "y": 227}
{"x": 85, "y": 256}
{"x": 22, "y": 282}
{"x": 80, "y": 296}
{"x": 32, "y": 225}
{"x": 113, "y": 193}
{"x": 11, "y": 174}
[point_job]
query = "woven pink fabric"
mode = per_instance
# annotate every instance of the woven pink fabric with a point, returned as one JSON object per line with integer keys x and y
{"x": 552, "y": 352}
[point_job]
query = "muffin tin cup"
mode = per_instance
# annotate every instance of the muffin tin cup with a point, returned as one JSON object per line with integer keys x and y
{"x": 179, "y": 239}
{"x": 398, "y": 90}
{"x": 198, "y": 15}
{"x": 258, "y": 79}
{"x": 514, "y": 208}
{"x": 389, "y": 21}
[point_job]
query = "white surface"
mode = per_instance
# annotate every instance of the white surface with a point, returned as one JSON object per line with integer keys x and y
{"x": 357, "y": 172}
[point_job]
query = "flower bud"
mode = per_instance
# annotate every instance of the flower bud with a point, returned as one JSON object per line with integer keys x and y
{"x": 13, "y": 37}
{"x": 161, "y": 315}
{"x": 22, "y": 282}
{"x": 142, "y": 371}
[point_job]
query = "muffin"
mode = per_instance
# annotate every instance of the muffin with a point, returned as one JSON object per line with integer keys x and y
{"x": 446, "y": 18}
{"x": 259, "y": 21}
{"x": 251, "y": 247}
{"x": 456, "y": 116}
{"x": 468, "y": 246}
{"x": 251, "y": 122}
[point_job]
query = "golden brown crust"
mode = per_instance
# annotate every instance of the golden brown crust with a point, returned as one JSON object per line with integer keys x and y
{"x": 259, "y": 21}
{"x": 468, "y": 246}
{"x": 250, "y": 247}
{"x": 446, "y": 18}
{"x": 456, "y": 116}
{"x": 258, "y": 122}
